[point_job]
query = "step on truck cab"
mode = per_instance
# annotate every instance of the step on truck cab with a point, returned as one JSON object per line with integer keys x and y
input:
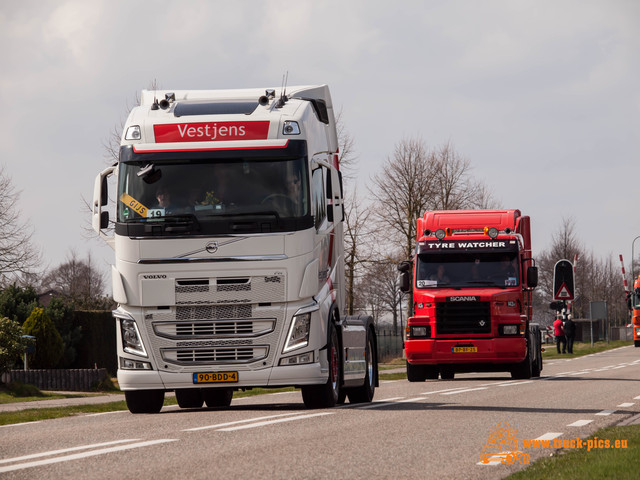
{"x": 228, "y": 239}
{"x": 472, "y": 280}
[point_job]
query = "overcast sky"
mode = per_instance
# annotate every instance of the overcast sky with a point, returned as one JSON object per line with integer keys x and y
{"x": 543, "y": 97}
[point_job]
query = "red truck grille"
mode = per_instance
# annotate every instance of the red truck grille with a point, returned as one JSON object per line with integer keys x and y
{"x": 463, "y": 317}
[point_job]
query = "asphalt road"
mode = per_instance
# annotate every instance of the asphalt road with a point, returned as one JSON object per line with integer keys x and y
{"x": 435, "y": 429}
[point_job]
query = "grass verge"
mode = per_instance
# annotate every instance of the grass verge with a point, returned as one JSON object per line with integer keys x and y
{"x": 580, "y": 349}
{"x": 600, "y": 463}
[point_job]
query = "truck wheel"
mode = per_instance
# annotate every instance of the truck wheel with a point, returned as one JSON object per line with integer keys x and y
{"x": 189, "y": 397}
{"x": 431, "y": 372}
{"x": 447, "y": 373}
{"x": 217, "y": 397}
{"x": 326, "y": 395}
{"x": 636, "y": 343}
{"x": 536, "y": 367}
{"x": 365, "y": 392}
{"x": 416, "y": 373}
{"x": 144, "y": 401}
{"x": 523, "y": 370}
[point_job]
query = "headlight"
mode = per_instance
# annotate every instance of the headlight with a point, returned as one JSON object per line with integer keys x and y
{"x": 131, "y": 342}
{"x": 420, "y": 331}
{"x": 298, "y": 333}
{"x": 510, "y": 329}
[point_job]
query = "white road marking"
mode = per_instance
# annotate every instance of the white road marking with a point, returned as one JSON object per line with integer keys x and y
{"x": 626, "y": 405}
{"x": 549, "y": 436}
{"x": 515, "y": 383}
{"x": 604, "y": 413}
{"x": 441, "y": 391}
{"x": 580, "y": 423}
{"x": 465, "y": 390}
{"x": 382, "y": 403}
{"x": 65, "y": 450}
{"x": 271, "y": 422}
{"x": 77, "y": 456}
{"x": 247, "y": 420}
{"x": 105, "y": 413}
{"x": 20, "y": 424}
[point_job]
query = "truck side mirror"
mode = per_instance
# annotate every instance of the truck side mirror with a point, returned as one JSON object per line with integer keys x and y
{"x": 532, "y": 277}
{"x": 104, "y": 220}
{"x": 403, "y": 282}
{"x": 104, "y": 192}
{"x": 404, "y": 266}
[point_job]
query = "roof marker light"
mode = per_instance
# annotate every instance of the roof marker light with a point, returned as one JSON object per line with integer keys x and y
{"x": 440, "y": 233}
{"x": 133, "y": 133}
{"x": 291, "y": 128}
{"x": 491, "y": 231}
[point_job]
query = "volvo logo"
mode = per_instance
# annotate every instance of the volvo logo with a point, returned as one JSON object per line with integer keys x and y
{"x": 482, "y": 323}
{"x": 212, "y": 247}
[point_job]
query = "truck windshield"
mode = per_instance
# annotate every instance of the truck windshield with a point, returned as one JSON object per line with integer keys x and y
{"x": 209, "y": 190}
{"x": 464, "y": 270}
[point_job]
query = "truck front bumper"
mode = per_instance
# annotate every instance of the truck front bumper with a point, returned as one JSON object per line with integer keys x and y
{"x": 309, "y": 374}
{"x": 491, "y": 350}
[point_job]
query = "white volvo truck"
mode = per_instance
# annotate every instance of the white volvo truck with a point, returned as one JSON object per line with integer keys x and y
{"x": 228, "y": 239}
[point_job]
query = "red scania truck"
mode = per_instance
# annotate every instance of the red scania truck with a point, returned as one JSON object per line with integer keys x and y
{"x": 473, "y": 281}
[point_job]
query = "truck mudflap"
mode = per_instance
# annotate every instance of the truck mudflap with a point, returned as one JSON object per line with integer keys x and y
{"x": 491, "y": 350}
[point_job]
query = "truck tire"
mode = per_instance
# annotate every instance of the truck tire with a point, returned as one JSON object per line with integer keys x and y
{"x": 636, "y": 343}
{"x": 524, "y": 369}
{"x": 326, "y": 395}
{"x": 189, "y": 397}
{"x": 431, "y": 372}
{"x": 416, "y": 373}
{"x": 144, "y": 401}
{"x": 217, "y": 397}
{"x": 536, "y": 367}
{"x": 447, "y": 373}
{"x": 364, "y": 394}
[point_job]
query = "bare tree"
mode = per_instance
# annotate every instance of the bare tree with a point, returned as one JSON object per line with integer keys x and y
{"x": 346, "y": 146}
{"x": 78, "y": 281}
{"x": 454, "y": 187}
{"x": 18, "y": 256}
{"x": 380, "y": 286}
{"x": 403, "y": 191}
{"x": 356, "y": 227}
{"x": 415, "y": 180}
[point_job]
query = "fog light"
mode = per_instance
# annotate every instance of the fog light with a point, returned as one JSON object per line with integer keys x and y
{"x": 128, "y": 364}
{"x": 298, "y": 359}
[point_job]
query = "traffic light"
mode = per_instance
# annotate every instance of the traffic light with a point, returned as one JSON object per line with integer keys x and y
{"x": 557, "y": 306}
